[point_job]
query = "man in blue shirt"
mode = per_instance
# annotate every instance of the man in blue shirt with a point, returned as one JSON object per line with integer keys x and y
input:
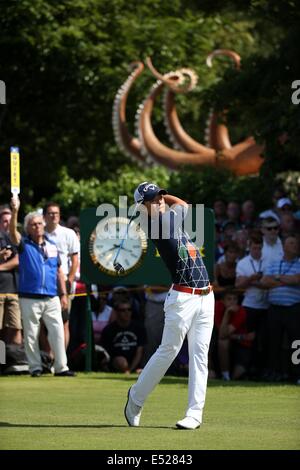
{"x": 189, "y": 307}
{"x": 282, "y": 277}
{"x": 40, "y": 272}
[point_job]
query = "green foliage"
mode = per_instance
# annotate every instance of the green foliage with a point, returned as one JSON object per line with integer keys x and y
{"x": 210, "y": 184}
{"x": 75, "y": 195}
{"x": 259, "y": 97}
{"x": 63, "y": 63}
{"x": 290, "y": 181}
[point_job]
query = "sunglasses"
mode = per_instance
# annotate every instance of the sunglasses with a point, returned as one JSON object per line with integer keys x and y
{"x": 124, "y": 309}
{"x": 272, "y": 228}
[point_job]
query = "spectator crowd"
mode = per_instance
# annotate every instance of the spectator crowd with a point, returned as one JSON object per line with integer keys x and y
{"x": 256, "y": 282}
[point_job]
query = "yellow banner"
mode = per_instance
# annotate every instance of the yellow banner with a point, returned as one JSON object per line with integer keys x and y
{"x": 15, "y": 170}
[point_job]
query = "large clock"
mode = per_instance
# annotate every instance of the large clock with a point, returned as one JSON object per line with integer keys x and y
{"x": 105, "y": 241}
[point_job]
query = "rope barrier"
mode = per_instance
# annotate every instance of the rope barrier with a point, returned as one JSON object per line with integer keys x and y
{"x": 216, "y": 289}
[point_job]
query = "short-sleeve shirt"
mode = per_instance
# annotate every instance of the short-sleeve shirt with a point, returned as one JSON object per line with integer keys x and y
{"x": 177, "y": 250}
{"x": 67, "y": 244}
{"x": 238, "y": 320}
{"x": 119, "y": 341}
{"x": 38, "y": 266}
{"x": 8, "y": 279}
{"x": 272, "y": 253}
{"x": 100, "y": 321}
{"x": 284, "y": 295}
{"x": 253, "y": 297}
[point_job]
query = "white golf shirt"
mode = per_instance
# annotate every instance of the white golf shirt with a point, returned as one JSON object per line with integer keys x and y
{"x": 271, "y": 253}
{"x": 67, "y": 244}
{"x": 253, "y": 297}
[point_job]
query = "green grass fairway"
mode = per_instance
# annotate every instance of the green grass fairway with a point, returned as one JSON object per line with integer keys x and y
{"x": 86, "y": 412}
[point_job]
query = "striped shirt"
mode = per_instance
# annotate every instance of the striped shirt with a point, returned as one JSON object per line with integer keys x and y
{"x": 284, "y": 295}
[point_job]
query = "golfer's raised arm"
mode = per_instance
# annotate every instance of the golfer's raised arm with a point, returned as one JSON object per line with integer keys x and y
{"x": 173, "y": 200}
{"x": 15, "y": 236}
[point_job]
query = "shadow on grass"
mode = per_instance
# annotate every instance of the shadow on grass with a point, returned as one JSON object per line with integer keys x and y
{"x": 78, "y": 426}
{"x": 245, "y": 383}
{"x": 170, "y": 379}
{"x": 134, "y": 377}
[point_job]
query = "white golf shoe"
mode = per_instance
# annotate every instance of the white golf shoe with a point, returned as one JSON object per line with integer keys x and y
{"x": 132, "y": 412}
{"x": 188, "y": 423}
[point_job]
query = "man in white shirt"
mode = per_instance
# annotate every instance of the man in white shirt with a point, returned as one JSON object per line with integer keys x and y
{"x": 249, "y": 271}
{"x": 272, "y": 247}
{"x": 68, "y": 248}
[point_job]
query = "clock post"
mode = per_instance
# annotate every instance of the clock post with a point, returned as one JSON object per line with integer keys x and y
{"x": 88, "y": 331}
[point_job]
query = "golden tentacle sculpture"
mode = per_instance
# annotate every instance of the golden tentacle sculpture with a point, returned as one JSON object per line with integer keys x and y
{"x": 217, "y": 134}
{"x": 130, "y": 145}
{"x": 218, "y": 137}
{"x": 240, "y": 161}
{"x": 187, "y": 80}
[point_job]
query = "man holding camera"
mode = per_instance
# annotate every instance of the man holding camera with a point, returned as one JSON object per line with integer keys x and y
{"x": 10, "y": 315}
{"x": 249, "y": 272}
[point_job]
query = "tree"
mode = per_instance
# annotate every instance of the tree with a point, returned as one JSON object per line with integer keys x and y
{"x": 75, "y": 195}
{"x": 63, "y": 62}
{"x": 259, "y": 97}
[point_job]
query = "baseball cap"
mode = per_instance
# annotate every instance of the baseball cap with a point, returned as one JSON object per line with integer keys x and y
{"x": 284, "y": 201}
{"x": 269, "y": 214}
{"x": 147, "y": 191}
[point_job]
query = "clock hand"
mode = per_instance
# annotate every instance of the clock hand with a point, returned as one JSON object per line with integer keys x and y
{"x": 110, "y": 249}
{"x": 126, "y": 249}
{"x": 122, "y": 248}
{"x": 118, "y": 267}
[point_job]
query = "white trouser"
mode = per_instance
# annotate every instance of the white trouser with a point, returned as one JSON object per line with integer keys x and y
{"x": 185, "y": 314}
{"x": 49, "y": 310}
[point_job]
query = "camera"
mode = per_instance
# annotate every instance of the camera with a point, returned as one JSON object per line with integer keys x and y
{"x": 4, "y": 256}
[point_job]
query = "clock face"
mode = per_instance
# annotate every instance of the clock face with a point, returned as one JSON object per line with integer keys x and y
{"x": 105, "y": 241}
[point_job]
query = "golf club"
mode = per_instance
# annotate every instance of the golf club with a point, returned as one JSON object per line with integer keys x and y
{"x": 118, "y": 267}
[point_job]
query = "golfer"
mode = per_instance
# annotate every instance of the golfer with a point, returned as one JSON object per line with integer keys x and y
{"x": 189, "y": 307}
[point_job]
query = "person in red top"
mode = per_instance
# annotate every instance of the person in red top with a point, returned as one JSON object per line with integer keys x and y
{"x": 233, "y": 336}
